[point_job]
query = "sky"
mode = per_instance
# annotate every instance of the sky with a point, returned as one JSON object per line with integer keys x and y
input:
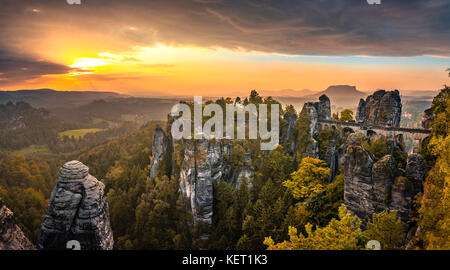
{"x": 220, "y": 47}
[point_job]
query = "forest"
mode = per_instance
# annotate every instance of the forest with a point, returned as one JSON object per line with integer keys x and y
{"x": 289, "y": 205}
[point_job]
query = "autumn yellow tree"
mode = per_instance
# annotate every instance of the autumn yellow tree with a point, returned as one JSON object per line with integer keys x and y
{"x": 310, "y": 178}
{"x": 386, "y": 228}
{"x": 340, "y": 234}
{"x": 346, "y": 115}
{"x": 435, "y": 202}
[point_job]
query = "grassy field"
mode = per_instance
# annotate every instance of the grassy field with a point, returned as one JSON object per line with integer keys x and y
{"x": 78, "y": 133}
{"x": 128, "y": 117}
{"x": 33, "y": 150}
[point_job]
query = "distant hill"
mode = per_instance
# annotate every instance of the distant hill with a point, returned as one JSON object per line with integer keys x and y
{"x": 341, "y": 95}
{"x": 50, "y": 99}
{"x": 287, "y": 93}
{"x": 114, "y": 109}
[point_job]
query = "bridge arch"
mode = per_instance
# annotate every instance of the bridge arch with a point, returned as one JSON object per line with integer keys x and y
{"x": 371, "y": 132}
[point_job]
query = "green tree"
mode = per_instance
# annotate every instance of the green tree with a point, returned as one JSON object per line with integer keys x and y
{"x": 346, "y": 115}
{"x": 378, "y": 147}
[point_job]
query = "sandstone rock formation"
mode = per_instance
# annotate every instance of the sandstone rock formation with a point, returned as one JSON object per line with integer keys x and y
{"x": 320, "y": 110}
{"x": 289, "y": 140}
{"x": 322, "y": 107}
{"x": 246, "y": 174}
{"x": 161, "y": 148}
{"x": 358, "y": 183}
{"x": 202, "y": 166}
{"x": 372, "y": 186}
{"x": 78, "y": 210}
{"x": 427, "y": 118}
{"x": 331, "y": 158}
{"x": 383, "y": 108}
{"x": 11, "y": 236}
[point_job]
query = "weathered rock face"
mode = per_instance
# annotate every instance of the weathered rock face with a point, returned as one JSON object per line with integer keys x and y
{"x": 317, "y": 111}
{"x": 202, "y": 166}
{"x": 374, "y": 186}
{"x": 384, "y": 173}
{"x": 427, "y": 118}
{"x": 246, "y": 174}
{"x": 358, "y": 181}
{"x": 289, "y": 140}
{"x": 11, "y": 236}
{"x": 383, "y": 108}
{"x": 331, "y": 158}
{"x": 313, "y": 118}
{"x": 78, "y": 210}
{"x": 323, "y": 107}
{"x": 415, "y": 171}
{"x": 160, "y": 148}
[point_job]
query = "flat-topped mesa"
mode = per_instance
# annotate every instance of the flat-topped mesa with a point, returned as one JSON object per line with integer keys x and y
{"x": 11, "y": 236}
{"x": 382, "y": 108}
{"x": 78, "y": 210}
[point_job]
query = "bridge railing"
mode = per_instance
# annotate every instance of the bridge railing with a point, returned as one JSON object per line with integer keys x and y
{"x": 362, "y": 126}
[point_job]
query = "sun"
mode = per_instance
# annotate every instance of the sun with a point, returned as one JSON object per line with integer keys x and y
{"x": 91, "y": 62}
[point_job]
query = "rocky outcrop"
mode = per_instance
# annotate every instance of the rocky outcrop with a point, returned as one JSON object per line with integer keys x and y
{"x": 372, "y": 186}
{"x": 78, "y": 210}
{"x": 358, "y": 183}
{"x": 320, "y": 110}
{"x": 160, "y": 149}
{"x": 415, "y": 171}
{"x": 202, "y": 166}
{"x": 246, "y": 174}
{"x": 11, "y": 236}
{"x": 427, "y": 118}
{"x": 289, "y": 139}
{"x": 322, "y": 107}
{"x": 383, "y": 108}
{"x": 331, "y": 158}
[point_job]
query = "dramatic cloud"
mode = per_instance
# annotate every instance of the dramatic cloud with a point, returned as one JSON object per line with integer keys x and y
{"x": 15, "y": 68}
{"x": 307, "y": 27}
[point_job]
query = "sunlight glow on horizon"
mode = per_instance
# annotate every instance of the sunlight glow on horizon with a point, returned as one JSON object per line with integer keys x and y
{"x": 168, "y": 70}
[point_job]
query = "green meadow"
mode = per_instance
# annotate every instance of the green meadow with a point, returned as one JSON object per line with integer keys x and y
{"x": 78, "y": 133}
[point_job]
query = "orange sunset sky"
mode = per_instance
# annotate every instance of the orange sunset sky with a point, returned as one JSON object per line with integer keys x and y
{"x": 213, "y": 47}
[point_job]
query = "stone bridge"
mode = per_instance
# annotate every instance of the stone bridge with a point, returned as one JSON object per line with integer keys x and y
{"x": 416, "y": 134}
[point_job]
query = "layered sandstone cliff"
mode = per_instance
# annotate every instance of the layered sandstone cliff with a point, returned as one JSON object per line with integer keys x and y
{"x": 382, "y": 108}
{"x": 78, "y": 210}
{"x": 11, "y": 236}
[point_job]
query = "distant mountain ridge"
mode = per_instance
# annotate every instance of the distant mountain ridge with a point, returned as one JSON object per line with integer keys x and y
{"x": 50, "y": 98}
{"x": 287, "y": 93}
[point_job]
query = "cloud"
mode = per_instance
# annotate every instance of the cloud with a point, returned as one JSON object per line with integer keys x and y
{"x": 16, "y": 68}
{"x": 303, "y": 27}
